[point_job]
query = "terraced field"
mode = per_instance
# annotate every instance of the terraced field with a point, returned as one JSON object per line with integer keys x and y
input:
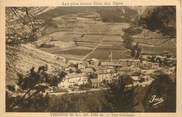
{"x": 80, "y": 37}
{"x": 90, "y": 38}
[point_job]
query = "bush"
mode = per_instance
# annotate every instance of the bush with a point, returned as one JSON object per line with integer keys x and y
{"x": 132, "y": 30}
{"x": 34, "y": 86}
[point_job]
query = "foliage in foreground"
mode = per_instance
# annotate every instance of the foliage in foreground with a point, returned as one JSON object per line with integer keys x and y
{"x": 30, "y": 94}
{"x": 30, "y": 91}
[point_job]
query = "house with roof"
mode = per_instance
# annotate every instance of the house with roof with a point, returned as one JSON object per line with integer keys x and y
{"x": 95, "y": 83}
{"x": 74, "y": 80}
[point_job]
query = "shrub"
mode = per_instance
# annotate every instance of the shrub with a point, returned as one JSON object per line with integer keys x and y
{"x": 34, "y": 86}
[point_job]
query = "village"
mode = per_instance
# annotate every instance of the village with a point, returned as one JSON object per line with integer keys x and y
{"x": 90, "y": 59}
{"x": 82, "y": 75}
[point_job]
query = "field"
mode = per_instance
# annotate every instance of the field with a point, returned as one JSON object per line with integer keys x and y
{"x": 85, "y": 38}
{"x": 84, "y": 35}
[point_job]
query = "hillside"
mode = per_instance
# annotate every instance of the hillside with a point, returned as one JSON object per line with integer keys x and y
{"x": 121, "y": 14}
{"x": 162, "y": 19}
{"x": 154, "y": 29}
{"x": 21, "y": 59}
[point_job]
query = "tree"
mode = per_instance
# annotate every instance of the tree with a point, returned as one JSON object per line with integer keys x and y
{"x": 127, "y": 41}
{"x": 33, "y": 88}
{"x": 22, "y": 25}
{"x": 160, "y": 18}
{"x": 120, "y": 97}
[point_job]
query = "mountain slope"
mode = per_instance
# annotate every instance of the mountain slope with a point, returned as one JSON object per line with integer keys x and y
{"x": 162, "y": 19}
{"x": 22, "y": 59}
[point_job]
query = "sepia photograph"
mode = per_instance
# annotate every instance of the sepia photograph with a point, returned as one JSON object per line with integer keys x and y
{"x": 90, "y": 59}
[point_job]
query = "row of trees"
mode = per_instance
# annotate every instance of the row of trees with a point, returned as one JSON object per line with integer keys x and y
{"x": 135, "y": 49}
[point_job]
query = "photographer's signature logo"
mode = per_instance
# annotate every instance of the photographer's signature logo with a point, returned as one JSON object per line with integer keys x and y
{"x": 156, "y": 100}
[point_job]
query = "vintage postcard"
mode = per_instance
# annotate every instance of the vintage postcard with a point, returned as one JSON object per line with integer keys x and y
{"x": 91, "y": 58}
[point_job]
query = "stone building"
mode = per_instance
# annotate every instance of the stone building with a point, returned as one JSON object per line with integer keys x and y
{"x": 74, "y": 81}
